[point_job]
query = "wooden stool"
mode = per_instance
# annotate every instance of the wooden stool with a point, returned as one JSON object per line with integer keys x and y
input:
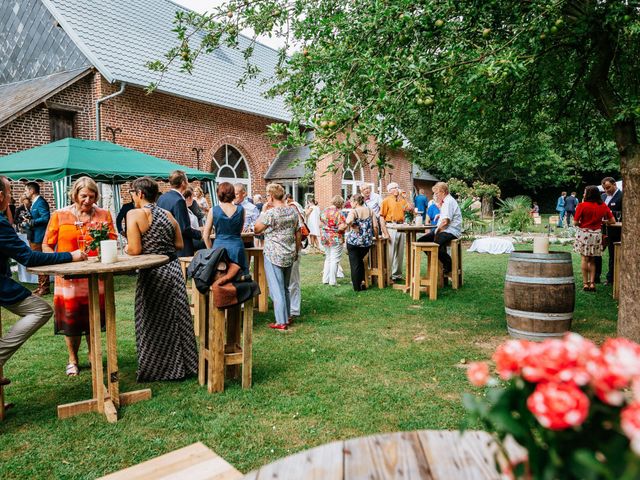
{"x": 431, "y": 281}
{"x": 191, "y": 293}
{"x": 225, "y": 343}
{"x": 261, "y": 302}
{"x": 456, "y": 264}
{"x": 617, "y": 251}
{"x": 377, "y": 264}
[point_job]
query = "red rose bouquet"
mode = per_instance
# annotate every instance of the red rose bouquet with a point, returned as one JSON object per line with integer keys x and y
{"x": 98, "y": 231}
{"x": 574, "y": 407}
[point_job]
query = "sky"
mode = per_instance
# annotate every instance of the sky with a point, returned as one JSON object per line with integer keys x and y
{"x": 202, "y": 6}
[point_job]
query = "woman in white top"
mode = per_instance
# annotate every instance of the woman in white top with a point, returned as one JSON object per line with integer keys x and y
{"x": 201, "y": 200}
{"x": 313, "y": 222}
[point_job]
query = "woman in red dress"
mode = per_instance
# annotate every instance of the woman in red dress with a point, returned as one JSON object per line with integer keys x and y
{"x": 589, "y": 217}
{"x": 67, "y": 231}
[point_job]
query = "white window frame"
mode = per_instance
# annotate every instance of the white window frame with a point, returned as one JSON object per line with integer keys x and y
{"x": 216, "y": 167}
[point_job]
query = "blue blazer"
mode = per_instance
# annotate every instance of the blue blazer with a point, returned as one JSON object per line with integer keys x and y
{"x": 174, "y": 202}
{"x": 12, "y": 247}
{"x": 39, "y": 219}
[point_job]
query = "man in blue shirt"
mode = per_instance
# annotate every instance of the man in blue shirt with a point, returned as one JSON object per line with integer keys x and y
{"x": 421, "y": 202}
{"x": 14, "y": 297}
{"x": 560, "y": 209}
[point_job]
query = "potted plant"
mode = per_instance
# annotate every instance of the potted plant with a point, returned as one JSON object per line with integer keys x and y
{"x": 573, "y": 406}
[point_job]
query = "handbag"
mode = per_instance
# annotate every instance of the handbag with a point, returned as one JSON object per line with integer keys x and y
{"x": 304, "y": 230}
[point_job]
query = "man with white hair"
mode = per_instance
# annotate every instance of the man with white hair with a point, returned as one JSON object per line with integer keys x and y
{"x": 392, "y": 211}
{"x": 371, "y": 198}
{"x": 251, "y": 213}
{"x": 449, "y": 224}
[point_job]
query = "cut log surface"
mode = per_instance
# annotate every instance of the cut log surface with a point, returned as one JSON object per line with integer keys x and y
{"x": 426, "y": 454}
{"x": 195, "y": 462}
{"x": 124, "y": 264}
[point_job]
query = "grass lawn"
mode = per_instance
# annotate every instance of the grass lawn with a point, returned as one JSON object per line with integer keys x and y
{"x": 356, "y": 364}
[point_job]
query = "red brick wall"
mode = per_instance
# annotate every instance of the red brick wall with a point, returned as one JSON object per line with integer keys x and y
{"x": 170, "y": 127}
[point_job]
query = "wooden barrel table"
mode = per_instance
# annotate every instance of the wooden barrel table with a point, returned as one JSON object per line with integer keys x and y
{"x": 539, "y": 295}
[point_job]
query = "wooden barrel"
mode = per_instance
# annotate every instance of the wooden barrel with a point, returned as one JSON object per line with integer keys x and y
{"x": 539, "y": 295}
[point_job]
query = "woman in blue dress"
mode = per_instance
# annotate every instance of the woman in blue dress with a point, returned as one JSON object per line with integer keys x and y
{"x": 228, "y": 220}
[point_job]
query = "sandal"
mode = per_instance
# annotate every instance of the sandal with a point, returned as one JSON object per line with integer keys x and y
{"x": 585, "y": 287}
{"x": 72, "y": 370}
{"x": 592, "y": 287}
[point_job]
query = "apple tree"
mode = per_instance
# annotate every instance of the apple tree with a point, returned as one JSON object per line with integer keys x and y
{"x": 509, "y": 78}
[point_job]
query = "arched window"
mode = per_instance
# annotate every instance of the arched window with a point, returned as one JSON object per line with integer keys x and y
{"x": 230, "y": 166}
{"x": 352, "y": 177}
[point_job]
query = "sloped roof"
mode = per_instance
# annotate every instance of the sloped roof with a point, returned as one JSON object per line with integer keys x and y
{"x": 32, "y": 44}
{"x": 421, "y": 174}
{"x": 281, "y": 168}
{"x": 19, "y": 97}
{"x": 120, "y": 36}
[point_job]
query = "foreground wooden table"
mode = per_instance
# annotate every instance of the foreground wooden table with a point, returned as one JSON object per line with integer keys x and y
{"x": 195, "y": 462}
{"x": 412, "y": 232}
{"x": 426, "y": 454}
{"x": 101, "y": 401}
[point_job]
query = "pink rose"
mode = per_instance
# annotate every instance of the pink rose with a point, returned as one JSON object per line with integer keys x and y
{"x": 630, "y": 423}
{"x": 558, "y": 406}
{"x": 478, "y": 373}
{"x": 563, "y": 360}
{"x": 617, "y": 366}
{"x": 509, "y": 357}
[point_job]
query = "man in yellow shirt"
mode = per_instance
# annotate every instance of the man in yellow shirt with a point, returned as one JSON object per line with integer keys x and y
{"x": 392, "y": 211}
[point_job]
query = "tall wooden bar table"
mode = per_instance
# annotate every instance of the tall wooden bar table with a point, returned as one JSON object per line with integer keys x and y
{"x": 104, "y": 400}
{"x": 425, "y": 454}
{"x": 411, "y": 231}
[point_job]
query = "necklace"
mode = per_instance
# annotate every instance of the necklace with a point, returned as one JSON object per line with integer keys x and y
{"x": 79, "y": 223}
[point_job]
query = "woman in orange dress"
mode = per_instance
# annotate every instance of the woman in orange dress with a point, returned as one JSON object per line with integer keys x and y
{"x": 67, "y": 231}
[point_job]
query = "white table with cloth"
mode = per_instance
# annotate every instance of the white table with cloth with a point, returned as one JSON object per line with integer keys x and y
{"x": 492, "y": 245}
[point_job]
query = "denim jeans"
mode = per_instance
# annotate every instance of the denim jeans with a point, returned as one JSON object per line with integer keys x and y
{"x": 278, "y": 279}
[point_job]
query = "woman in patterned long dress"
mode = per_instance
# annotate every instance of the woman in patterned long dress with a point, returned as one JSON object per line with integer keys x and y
{"x": 164, "y": 329}
{"x": 68, "y": 231}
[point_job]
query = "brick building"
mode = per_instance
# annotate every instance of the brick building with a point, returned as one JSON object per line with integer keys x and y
{"x": 61, "y": 58}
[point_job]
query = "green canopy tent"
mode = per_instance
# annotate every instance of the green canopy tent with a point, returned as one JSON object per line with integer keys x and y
{"x": 62, "y": 161}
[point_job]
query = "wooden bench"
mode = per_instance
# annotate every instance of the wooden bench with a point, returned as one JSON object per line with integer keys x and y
{"x": 226, "y": 338}
{"x": 195, "y": 462}
{"x": 430, "y": 282}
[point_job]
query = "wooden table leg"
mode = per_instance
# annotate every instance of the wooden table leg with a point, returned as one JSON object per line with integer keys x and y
{"x": 95, "y": 340}
{"x": 247, "y": 342}
{"x": 409, "y": 240}
{"x": 263, "y": 299}
{"x": 113, "y": 380}
{"x": 104, "y": 401}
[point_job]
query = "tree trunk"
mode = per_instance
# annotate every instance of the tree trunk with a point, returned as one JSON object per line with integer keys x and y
{"x": 629, "y": 308}
{"x": 487, "y": 206}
